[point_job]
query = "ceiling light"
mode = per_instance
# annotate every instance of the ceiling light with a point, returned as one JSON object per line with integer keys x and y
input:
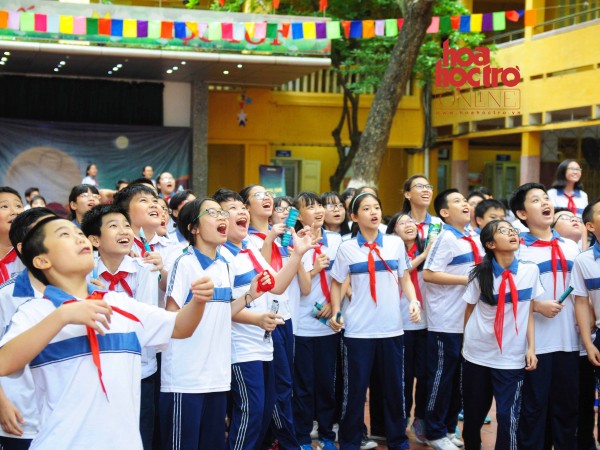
{"x": 183, "y": 63}
{"x": 119, "y": 65}
{"x": 2, "y": 63}
{"x": 239, "y": 66}
{"x": 4, "y": 59}
{"x": 115, "y": 68}
{"x": 6, "y": 53}
{"x": 62, "y": 63}
{"x": 169, "y": 71}
{"x": 56, "y": 69}
{"x": 175, "y": 68}
{"x": 110, "y": 72}
{"x": 226, "y": 72}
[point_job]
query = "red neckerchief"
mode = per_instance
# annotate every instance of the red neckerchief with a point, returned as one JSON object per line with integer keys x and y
{"x": 421, "y": 228}
{"x": 371, "y": 265}
{"x": 414, "y": 274}
{"x": 322, "y": 274}
{"x": 514, "y": 297}
{"x": 557, "y": 254}
{"x": 474, "y": 249}
{"x": 140, "y": 244}
{"x": 255, "y": 264}
{"x": 571, "y": 203}
{"x": 93, "y": 338}
{"x": 10, "y": 257}
{"x": 276, "y": 261}
{"x": 117, "y": 278}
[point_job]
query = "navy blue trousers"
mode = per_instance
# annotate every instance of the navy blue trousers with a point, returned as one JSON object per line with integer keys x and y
{"x": 282, "y": 426}
{"x": 415, "y": 368}
{"x": 147, "y": 410}
{"x": 549, "y": 414}
{"x": 480, "y": 385}
{"x": 443, "y": 383}
{"x": 314, "y": 385}
{"x": 193, "y": 421}
{"x": 253, "y": 400}
{"x": 361, "y": 356}
{"x": 7, "y": 443}
{"x": 587, "y": 415}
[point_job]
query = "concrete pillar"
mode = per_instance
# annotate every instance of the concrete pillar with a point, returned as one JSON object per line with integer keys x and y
{"x": 460, "y": 165}
{"x": 531, "y": 146}
{"x": 199, "y": 180}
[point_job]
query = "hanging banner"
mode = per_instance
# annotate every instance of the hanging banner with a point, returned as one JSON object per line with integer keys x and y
{"x": 53, "y": 156}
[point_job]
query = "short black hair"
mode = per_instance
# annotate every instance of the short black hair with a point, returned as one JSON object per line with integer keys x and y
{"x": 517, "y": 198}
{"x": 9, "y": 190}
{"x": 143, "y": 180}
{"x": 87, "y": 169}
{"x": 77, "y": 191}
{"x": 23, "y": 223}
{"x": 120, "y": 182}
{"x": 30, "y": 191}
{"x": 441, "y": 201}
{"x": 476, "y": 193}
{"x": 224, "y": 194}
{"x": 33, "y": 245}
{"x": 123, "y": 198}
{"x": 188, "y": 216}
{"x": 588, "y": 212}
{"x": 37, "y": 197}
{"x": 91, "y": 225}
{"x": 490, "y": 203}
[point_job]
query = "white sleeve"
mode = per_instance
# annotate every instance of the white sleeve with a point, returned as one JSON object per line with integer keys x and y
{"x": 577, "y": 279}
{"x": 341, "y": 268}
{"x": 157, "y": 324}
{"x": 403, "y": 261}
{"x": 147, "y": 288}
{"x": 180, "y": 280}
{"x": 472, "y": 293}
{"x": 440, "y": 254}
{"x": 553, "y": 196}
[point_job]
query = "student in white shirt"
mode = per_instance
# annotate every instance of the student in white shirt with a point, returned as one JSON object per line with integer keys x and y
{"x": 253, "y": 383}
{"x": 446, "y": 274}
{"x": 20, "y": 417}
{"x": 567, "y": 188}
{"x": 418, "y": 194}
{"x": 82, "y": 198}
{"x": 196, "y": 372}
{"x": 377, "y": 265}
{"x": 499, "y": 340}
{"x": 85, "y": 354}
{"x": 109, "y": 230}
{"x": 91, "y": 172}
{"x": 10, "y": 206}
{"x": 550, "y": 393}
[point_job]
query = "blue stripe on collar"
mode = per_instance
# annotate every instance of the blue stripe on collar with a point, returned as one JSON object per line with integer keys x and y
{"x": 498, "y": 269}
{"x": 362, "y": 241}
{"x": 205, "y": 261}
{"x": 529, "y": 238}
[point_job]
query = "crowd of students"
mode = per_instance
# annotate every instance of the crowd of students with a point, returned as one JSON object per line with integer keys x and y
{"x": 257, "y": 343}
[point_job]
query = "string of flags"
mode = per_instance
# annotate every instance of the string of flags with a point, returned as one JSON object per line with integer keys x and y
{"x": 29, "y": 21}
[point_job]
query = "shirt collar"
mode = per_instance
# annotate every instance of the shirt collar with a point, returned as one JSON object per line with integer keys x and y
{"x": 23, "y": 287}
{"x": 127, "y": 265}
{"x": 498, "y": 269}
{"x": 362, "y": 241}
{"x": 596, "y": 250}
{"x": 205, "y": 261}
{"x": 456, "y": 232}
{"x": 324, "y": 237}
{"x": 57, "y": 296}
{"x": 234, "y": 249}
{"x": 576, "y": 192}
{"x": 529, "y": 238}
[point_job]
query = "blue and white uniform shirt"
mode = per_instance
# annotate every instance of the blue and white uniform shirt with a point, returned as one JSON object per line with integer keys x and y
{"x": 202, "y": 362}
{"x": 480, "y": 343}
{"x": 363, "y": 317}
{"x": 443, "y": 303}
{"x": 559, "y": 199}
{"x": 557, "y": 334}
{"x": 585, "y": 277}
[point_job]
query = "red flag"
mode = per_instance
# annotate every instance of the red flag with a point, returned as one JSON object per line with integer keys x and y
{"x": 275, "y": 4}
{"x": 322, "y": 5}
{"x": 346, "y": 26}
{"x": 513, "y": 16}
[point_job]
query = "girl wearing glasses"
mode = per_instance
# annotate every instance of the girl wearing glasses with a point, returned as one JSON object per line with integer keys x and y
{"x": 281, "y": 210}
{"x": 196, "y": 372}
{"x": 82, "y": 198}
{"x": 567, "y": 188}
{"x": 260, "y": 203}
{"x": 418, "y": 193}
{"x": 335, "y": 213}
{"x": 415, "y": 334}
{"x": 499, "y": 338}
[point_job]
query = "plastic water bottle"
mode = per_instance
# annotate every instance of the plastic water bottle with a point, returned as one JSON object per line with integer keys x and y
{"x": 274, "y": 310}
{"x": 318, "y": 307}
{"x": 290, "y": 222}
{"x": 434, "y": 230}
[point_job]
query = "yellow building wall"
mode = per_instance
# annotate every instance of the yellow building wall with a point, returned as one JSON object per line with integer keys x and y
{"x": 478, "y": 158}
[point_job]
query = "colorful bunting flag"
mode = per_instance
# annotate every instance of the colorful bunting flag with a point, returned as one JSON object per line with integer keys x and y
{"x": 260, "y": 30}
{"x": 487, "y": 24}
{"x": 321, "y": 29}
{"x": 54, "y": 23}
{"x": 322, "y": 5}
{"x": 130, "y": 28}
{"x": 380, "y": 28}
{"x": 400, "y": 24}
{"x": 116, "y": 28}
{"x": 14, "y": 19}
{"x": 27, "y": 22}
{"x": 455, "y": 22}
{"x": 285, "y": 29}
{"x": 66, "y": 24}
{"x": 499, "y": 21}
{"x": 465, "y": 24}
{"x": 368, "y": 29}
{"x": 434, "y": 26}
{"x": 4, "y": 19}
{"x": 166, "y": 29}
{"x": 227, "y": 31}
{"x": 513, "y": 15}
{"x": 333, "y": 30}
{"x": 79, "y": 25}
{"x": 239, "y": 31}
{"x": 476, "y": 22}
{"x": 142, "y": 28}
{"x": 297, "y": 31}
{"x": 180, "y": 30}
{"x": 272, "y": 30}
{"x": 250, "y": 29}
{"x": 346, "y": 27}
{"x": 154, "y": 27}
{"x": 445, "y": 24}
{"x": 356, "y": 29}
{"x": 391, "y": 27}
{"x": 91, "y": 24}
{"x": 530, "y": 18}
{"x": 309, "y": 30}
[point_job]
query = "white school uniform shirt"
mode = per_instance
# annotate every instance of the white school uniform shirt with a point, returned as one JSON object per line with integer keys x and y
{"x": 363, "y": 317}
{"x": 423, "y": 227}
{"x": 19, "y": 388}
{"x": 405, "y": 304}
{"x": 292, "y": 291}
{"x": 144, "y": 285}
{"x": 202, "y": 362}
{"x": 558, "y": 199}
{"x": 585, "y": 277}
{"x": 307, "y": 324}
{"x": 14, "y": 268}
{"x": 247, "y": 341}
{"x": 480, "y": 345}
{"x": 443, "y": 303}
{"x": 74, "y": 411}
{"x": 557, "y": 334}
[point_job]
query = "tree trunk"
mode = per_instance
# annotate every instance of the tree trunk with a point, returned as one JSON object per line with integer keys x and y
{"x": 375, "y": 136}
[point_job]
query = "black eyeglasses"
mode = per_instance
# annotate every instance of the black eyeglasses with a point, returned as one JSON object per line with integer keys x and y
{"x": 280, "y": 209}
{"x": 567, "y": 217}
{"x": 333, "y": 206}
{"x": 212, "y": 212}
{"x": 508, "y": 231}
{"x": 420, "y": 187}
